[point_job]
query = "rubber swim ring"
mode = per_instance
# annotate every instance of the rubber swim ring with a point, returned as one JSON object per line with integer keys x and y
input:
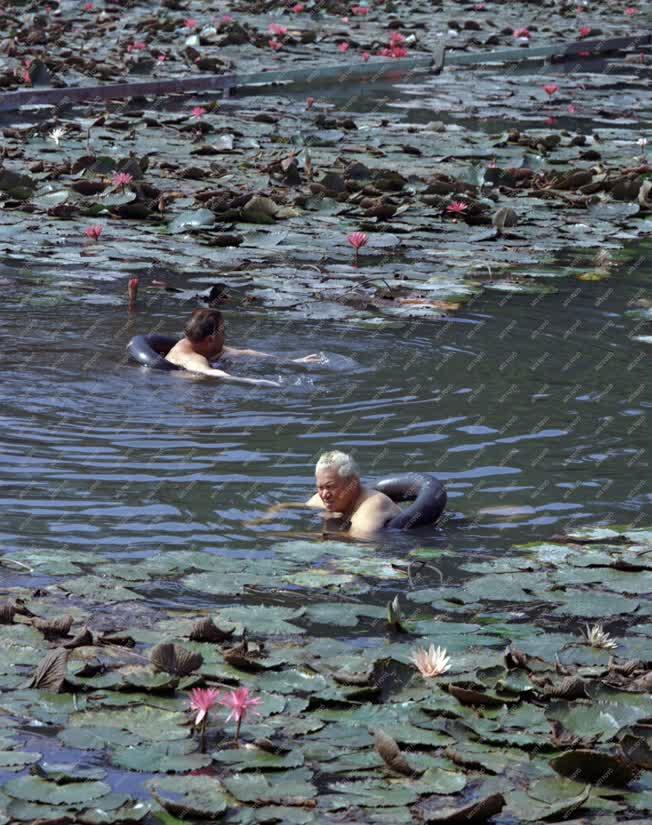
{"x": 150, "y": 350}
{"x": 427, "y": 494}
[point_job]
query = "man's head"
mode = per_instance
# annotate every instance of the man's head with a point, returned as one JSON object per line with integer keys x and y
{"x": 338, "y": 481}
{"x": 205, "y": 329}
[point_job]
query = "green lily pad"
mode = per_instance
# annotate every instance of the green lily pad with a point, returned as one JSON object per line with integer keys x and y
{"x": 163, "y": 757}
{"x": 201, "y": 796}
{"x": 17, "y": 759}
{"x": 150, "y": 723}
{"x": 269, "y": 621}
{"x": 97, "y": 738}
{"x": 252, "y": 758}
{"x": 257, "y": 787}
{"x": 35, "y": 789}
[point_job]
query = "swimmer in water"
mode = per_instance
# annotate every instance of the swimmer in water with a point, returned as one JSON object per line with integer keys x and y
{"x": 345, "y": 504}
{"x": 204, "y": 342}
{"x": 341, "y": 495}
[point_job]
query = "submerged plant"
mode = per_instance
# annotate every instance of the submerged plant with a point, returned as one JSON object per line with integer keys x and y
{"x": 431, "y": 662}
{"x": 596, "y": 637}
{"x": 240, "y": 702}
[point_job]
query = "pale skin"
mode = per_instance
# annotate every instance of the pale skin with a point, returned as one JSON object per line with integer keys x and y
{"x": 348, "y": 500}
{"x": 195, "y": 356}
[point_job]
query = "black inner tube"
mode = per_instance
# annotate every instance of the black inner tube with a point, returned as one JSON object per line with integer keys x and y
{"x": 427, "y": 494}
{"x": 150, "y": 350}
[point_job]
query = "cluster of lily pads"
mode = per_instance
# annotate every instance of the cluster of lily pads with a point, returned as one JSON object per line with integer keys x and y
{"x": 519, "y": 693}
{"x": 264, "y": 192}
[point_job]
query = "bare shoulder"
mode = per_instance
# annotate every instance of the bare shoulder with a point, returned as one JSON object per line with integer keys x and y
{"x": 183, "y": 355}
{"x": 315, "y": 501}
{"x": 378, "y": 502}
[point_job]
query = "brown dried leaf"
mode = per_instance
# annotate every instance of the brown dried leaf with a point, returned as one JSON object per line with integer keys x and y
{"x": 82, "y": 639}
{"x": 448, "y": 810}
{"x": 572, "y": 687}
{"x": 50, "y": 675}
{"x": 471, "y": 696}
{"x": 206, "y": 630}
{"x": 390, "y": 753}
{"x": 175, "y": 659}
{"x": 53, "y": 628}
{"x": 595, "y": 767}
{"x": 515, "y": 658}
{"x": 7, "y": 612}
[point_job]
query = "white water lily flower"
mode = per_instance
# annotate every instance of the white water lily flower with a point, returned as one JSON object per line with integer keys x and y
{"x": 642, "y": 142}
{"x": 596, "y": 637}
{"x": 56, "y": 134}
{"x": 431, "y": 662}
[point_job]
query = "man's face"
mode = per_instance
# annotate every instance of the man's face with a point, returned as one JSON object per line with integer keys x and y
{"x": 336, "y": 493}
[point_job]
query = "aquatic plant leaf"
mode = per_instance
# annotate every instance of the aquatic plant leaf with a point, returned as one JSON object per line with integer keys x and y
{"x": 529, "y": 809}
{"x": 448, "y": 811}
{"x": 595, "y": 767}
{"x": 149, "y": 723}
{"x": 7, "y": 612}
{"x": 53, "y": 628}
{"x": 268, "y": 621}
{"x": 391, "y": 754}
{"x": 36, "y": 789}
{"x": 174, "y": 659}
{"x": 69, "y": 772}
{"x": 200, "y": 796}
{"x": 51, "y": 673}
{"x": 250, "y": 758}
{"x": 97, "y": 738}
{"x": 205, "y": 630}
{"x": 17, "y": 759}
{"x": 162, "y": 757}
{"x": 259, "y": 788}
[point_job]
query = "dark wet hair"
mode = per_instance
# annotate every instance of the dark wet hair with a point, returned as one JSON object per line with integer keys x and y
{"x": 202, "y": 323}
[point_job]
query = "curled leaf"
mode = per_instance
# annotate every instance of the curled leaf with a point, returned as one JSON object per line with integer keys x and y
{"x": 595, "y": 767}
{"x": 50, "y": 675}
{"x": 572, "y": 687}
{"x": 175, "y": 659}
{"x": 390, "y": 753}
{"x": 206, "y": 630}
{"x": 82, "y": 639}
{"x": 7, "y": 613}
{"x": 53, "y": 628}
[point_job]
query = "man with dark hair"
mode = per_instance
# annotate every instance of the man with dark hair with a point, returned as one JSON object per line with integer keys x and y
{"x": 204, "y": 342}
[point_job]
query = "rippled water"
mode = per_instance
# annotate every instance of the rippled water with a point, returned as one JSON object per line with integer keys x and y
{"x": 532, "y": 409}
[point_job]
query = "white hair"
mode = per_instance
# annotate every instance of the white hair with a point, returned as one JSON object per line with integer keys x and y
{"x": 343, "y": 463}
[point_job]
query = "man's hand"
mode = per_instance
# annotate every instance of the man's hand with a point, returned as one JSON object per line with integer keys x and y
{"x": 263, "y": 382}
{"x": 314, "y": 358}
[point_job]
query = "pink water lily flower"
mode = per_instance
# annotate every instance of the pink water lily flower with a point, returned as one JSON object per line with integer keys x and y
{"x": 298, "y": 8}
{"x": 630, "y": 11}
{"x": 198, "y": 112}
{"x": 240, "y": 703}
{"x": 122, "y": 179}
{"x": 274, "y": 44}
{"x": 360, "y": 11}
{"x": 88, "y": 7}
{"x": 550, "y": 89}
{"x": 310, "y": 102}
{"x": 279, "y": 31}
{"x": 522, "y": 33}
{"x": 358, "y": 240}
{"x": 457, "y": 207}
{"x": 190, "y": 23}
{"x": 343, "y": 47}
{"x": 396, "y": 39}
{"x": 93, "y": 232}
{"x": 365, "y": 56}
{"x": 136, "y": 46}
{"x": 585, "y": 31}
{"x": 202, "y": 700}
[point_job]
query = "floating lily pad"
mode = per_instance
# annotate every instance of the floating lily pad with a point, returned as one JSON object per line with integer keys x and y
{"x": 201, "y": 796}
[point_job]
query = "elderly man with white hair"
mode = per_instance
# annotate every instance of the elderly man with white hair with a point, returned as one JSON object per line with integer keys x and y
{"x": 341, "y": 494}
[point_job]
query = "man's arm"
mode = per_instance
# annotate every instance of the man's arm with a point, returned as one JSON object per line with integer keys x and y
{"x": 254, "y": 353}
{"x": 197, "y": 363}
